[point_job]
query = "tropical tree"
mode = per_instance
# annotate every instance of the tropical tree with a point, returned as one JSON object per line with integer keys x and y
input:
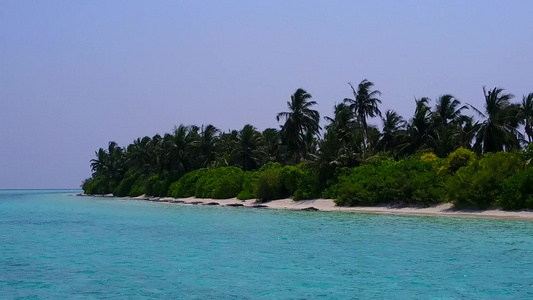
{"x": 419, "y": 134}
{"x": 446, "y": 122}
{"x": 342, "y": 124}
{"x": 99, "y": 164}
{"x": 177, "y": 147}
{"x": 301, "y": 122}
{"x": 393, "y": 127}
{"x": 205, "y": 145}
{"x": 330, "y": 155}
{"x": 527, "y": 114}
{"x": 447, "y": 110}
{"x": 226, "y": 148}
{"x": 466, "y": 130}
{"x": 364, "y": 104}
{"x": 249, "y": 154}
{"x": 138, "y": 154}
{"x": 498, "y": 131}
{"x": 156, "y": 153}
{"x": 116, "y": 160}
{"x": 272, "y": 147}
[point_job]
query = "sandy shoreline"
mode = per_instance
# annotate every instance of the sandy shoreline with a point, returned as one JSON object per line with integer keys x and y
{"x": 442, "y": 210}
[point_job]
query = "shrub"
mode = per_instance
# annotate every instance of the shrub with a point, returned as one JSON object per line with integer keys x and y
{"x": 248, "y": 185}
{"x": 429, "y": 157}
{"x": 411, "y": 181}
{"x": 528, "y": 154}
{"x": 353, "y": 187}
{"x": 138, "y": 187}
{"x": 459, "y": 158}
{"x": 290, "y": 177}
{"x": 86, "y": 185}
{"x": 269, "y": 186}
{"x": 124, "y": 187}
{"x": 96, "y": 186}
{"x": 479, "y": 184}
{"x": 149, "y": 188}
{"x": 270, "y": 165}
{"x": 378, "y": 158}
{"x": 220, "y": 183}
{"x": 186, "y": 186}
{"x": 309, "y": 186}
{"x": 331, "y": 191}
{"x": 517, "y": 191}
{"x": 157, "y": 186}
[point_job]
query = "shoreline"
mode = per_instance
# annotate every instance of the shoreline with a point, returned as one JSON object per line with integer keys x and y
{"x": 441, "y": 210}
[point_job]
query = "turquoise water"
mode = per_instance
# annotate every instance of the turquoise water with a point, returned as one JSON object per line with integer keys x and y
{"x": 57, "y": 246}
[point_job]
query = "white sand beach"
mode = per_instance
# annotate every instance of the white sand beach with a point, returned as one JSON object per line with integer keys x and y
{"x": 442, "y": 210}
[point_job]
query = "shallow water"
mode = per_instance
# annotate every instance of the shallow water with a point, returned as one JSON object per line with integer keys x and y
{"x": 54, "y": 246}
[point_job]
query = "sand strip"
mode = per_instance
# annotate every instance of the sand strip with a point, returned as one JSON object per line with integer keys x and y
{"x": 442, "y": 210}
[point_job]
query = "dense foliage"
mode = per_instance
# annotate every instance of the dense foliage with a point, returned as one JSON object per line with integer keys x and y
{"x": 409, "y": 181}
{"x": 439, "y": 155}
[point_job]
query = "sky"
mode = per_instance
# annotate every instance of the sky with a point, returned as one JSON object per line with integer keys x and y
{"x": 75, "y": 75}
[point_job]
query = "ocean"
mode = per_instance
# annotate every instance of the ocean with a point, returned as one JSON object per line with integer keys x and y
{"x": 54, "y": 245}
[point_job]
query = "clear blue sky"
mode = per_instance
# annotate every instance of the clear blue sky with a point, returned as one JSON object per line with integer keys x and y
{"x": 77, "y": 74}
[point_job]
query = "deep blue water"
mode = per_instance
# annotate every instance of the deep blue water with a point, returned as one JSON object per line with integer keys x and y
{"x": 57, "y": 246}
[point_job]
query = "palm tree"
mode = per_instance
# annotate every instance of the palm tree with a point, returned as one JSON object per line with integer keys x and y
{"x": 272, "y": 147}
{"x": 138, "y": 155}
{"x": 116, "y": 161}
{"x": 330, "y": 155}
{"x": 364, "y": 104}
{"x": 248, "y": 145}
{"x": 446, "y": 120}
{"x": 99, "y": 164}
{"x": 527, "y": 113}
{"x": 498, "y": 131}
{"x": 393, "y": 125}
{"x": 448, "y": 109}
{"x": 226, "y": 147}
{"x": 342, "y": 124}
{"x": 156, "y": 151}
{"x": 177, "y": 149}
{"x": 419, "y": 134}
{"x": 205, "y": 144}
{"x": 300, "y": 122}
{"x": 465, "y": 133}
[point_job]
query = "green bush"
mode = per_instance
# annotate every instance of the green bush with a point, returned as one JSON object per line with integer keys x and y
{"x": 309, "y": 186}
{"x": 353, "y": 187}
{"x": 517, "y": 191}
{"x": 459, "y": 158}
{"x": 409, "y": 181}
{"x": 429, "y": 157}
{"x": 220, "y": 183}
{"x": 248, "y": 185}
{"x": 269, "y": 186}
{"x": 124, "y": 187}
{"x": 528, "y": 154}
{"x": 138, "y": 187}
{"x": 290, "y": 177}
{"x": 186, "y": 185}
{"x": 96, "y": 186}
{"x": 157, "y": 186}
{"x": 332, "y": 192}
{"x": 270, "y": 165}
{"x": 149, "y": 187}
{"x": 479, "y": 184}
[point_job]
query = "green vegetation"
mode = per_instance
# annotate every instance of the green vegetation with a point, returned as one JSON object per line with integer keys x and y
{"x": 480, "y": 183}
{"x": 410, "y": 181}
{"x": 438, "y": 155}
{"x": 186, "y": 186}
{"x": 220, "y": 183}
